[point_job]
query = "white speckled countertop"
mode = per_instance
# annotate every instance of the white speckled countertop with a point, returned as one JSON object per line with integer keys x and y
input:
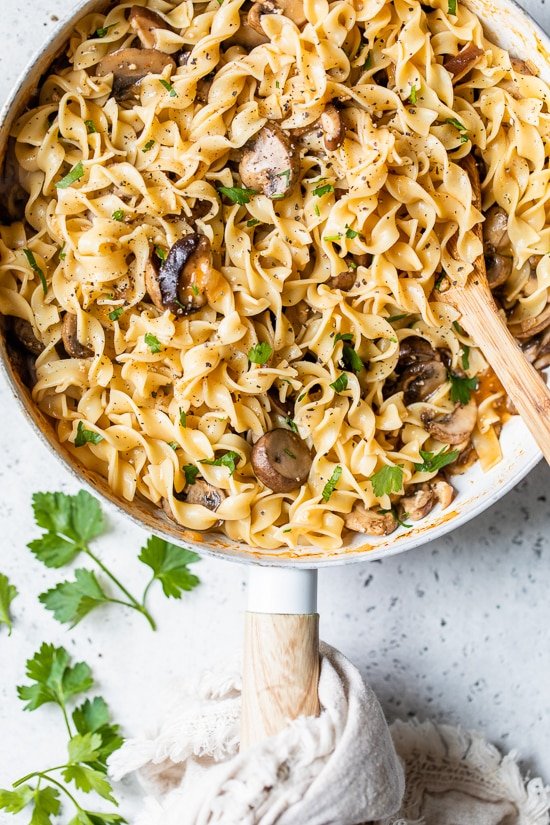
{"x": 456, "y": 630}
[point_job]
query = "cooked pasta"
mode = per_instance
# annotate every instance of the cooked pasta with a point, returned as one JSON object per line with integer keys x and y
{"x": 225, "y": 229}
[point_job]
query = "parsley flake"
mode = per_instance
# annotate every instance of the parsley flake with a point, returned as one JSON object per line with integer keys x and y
{"x": 351, "y": 359}
{"x": 432, "y": 462}
{"x": 191, "y": 472}
{"x": 34, "y": 266}
{"x": 387, "y": 480}
{"x": 116, "y": 313}
{"x": 462, "y": 387}
{"x": 229, "y": 459}
{"x": 168, "y": 86}
{"x": 183, "y": 418}
{"x": 413, "y": 97}
{"x": 90, "y": 126}
{"x": 341, "y": 383}
{"x": 71, "y": 177}
{"x": 84, "y": 436}
{"x": 237, "y": 194}
{"x": 118, "y": 215}
{"x": 152, "y": 342}
{"x": 148, "y": 146}
{"x": 453, "y": 4}
{"x": 260, "y": 353}
{"x": 330, "y": 486}
{"x": 324, "y": 189}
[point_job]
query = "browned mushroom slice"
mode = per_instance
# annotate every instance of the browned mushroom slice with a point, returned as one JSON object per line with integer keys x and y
{"x": 270, "y": 164}
{"x": 462, "y": 62}
{"x": 523, "y": 66}
{"x": 281, "y": 460}
{"x": 418, "y": 502}
{"x": 184, "y": 277}
{"x": 146, "y": 23}
{"x": 455, "y": 427}
{"x": 370, "y": 522}
{"x": 129, "y": 66}
{"x": 69, "y": 334}
{"x": 205, "y": 494}
{"x": 333, "y": 127}
{"x": 343, "y": 281}
{"x": 24, "y": 333}
{"x": 415, "y": 349}
{"x": 254, "y": 16}
{"x": 247, "y": 36}
{"x": 495, "y": 230}
{"x": 531, "y": 326}
{"x": 499, "y": 269}
{"x": 421, "y": 380}
{"x": 444, "y": 492}
{"x": 298, "y": 315}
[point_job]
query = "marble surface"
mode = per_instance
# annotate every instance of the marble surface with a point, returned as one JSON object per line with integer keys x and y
{"x": 456, "y": 630}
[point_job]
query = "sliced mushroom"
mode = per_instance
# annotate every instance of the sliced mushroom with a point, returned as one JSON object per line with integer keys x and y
{"x": 415, "y": 349}
{"x": 333, "y": 127}
{"x": 298, "y": 316}
{"x": 69, "y": 333}
{"x": 444, "y": 491}
{"x": 254, "y": 16}
{"x": 129, "y": 66}
{"x": 523, "y": 66}
{"x": 499, "y": 269}
{"x": 531, "y": 326}
{"x": 455, "y": 427}
{"x": 343, "y": 281}
{"x": 23, "y": 363}
{"x": 281, "y": 460}
{"x": 146, "y": 23}
{"x": 247, "y": 36}
{"x": 462, "y": 62}
{"x": 24, "y": 333}
{"x": 495, "y": 230}
{"x": 205, "y": 494}
{"x": 182, "y": 280}
{"x": 419, "y": 501}
{"x": 371, "y": 522}
{"x": 421, "y": 380}
{"x": 270, "y": 164}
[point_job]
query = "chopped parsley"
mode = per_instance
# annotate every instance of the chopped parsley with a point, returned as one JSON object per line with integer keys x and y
{"x": 191, "y": 472}
{"x": 401, "y": 521}
{"x": 260, "y": 353}
{"x": 330, "y": 486}
{"x": 90, "y": 126}
{"x": 324, "y": 189}
{"x": 462, "y": 387}
{"x": 351, "y": 359}
{"x": 343, "y": 336}
{"x": 183, "y": 418}
{"x": 317, "y": 210}
{"x": 292, "y": 424}
{"x": 387, "y": 480}
{"x": 148, "y": 146}
{"x": 174, "y": 445}
{"x": 116, "y": 313}
{"x": 118, "y": 215}
{"x": 34, "y": 266}
{"x": 413, "y": 97}
{"x": 284, "y": 174}
{"x": 289, "y": 453}
{"x": 168, "y": 86}
{"x": 252, "y": 222}
{"x": 152, "y": 342}
{"x": 393, "y": 318}
{"x": 195, "y": 290}
{"x": 332, "y": 238}
{"x": 351, "y": 234}
{"x": 439, "y": 282}
{"x": 432, "y": 462}
{"x": 161, "y": 253}
{"x": 229, "y": 459}
{"x": 453, "y": 4}
{"x": 102, "y": 31}
{"x": 452, "y": 121}
{"x": 465, "y": 357}
{"x": 341, "y": 383}
{"x": 71, "y": 177}
{"x": 84, "y": 436}
{"x": 237, "y": 194}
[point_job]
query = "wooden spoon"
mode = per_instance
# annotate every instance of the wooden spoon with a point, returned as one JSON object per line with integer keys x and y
{"x": 523, "y": 384}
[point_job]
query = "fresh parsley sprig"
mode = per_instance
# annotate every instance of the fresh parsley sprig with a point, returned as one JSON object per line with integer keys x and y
{"x": 388, "y": 480}
{"x": 432, "y": 462}
{"x": 462, "y": 387}
{"x": 330, "y": 486}
{"x": 92, "y": 739}
{"x": 8, "y": 592}
{"x": 70, "y": 524}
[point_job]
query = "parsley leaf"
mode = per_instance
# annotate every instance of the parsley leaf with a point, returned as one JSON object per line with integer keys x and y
{"x": 343, "y": 336}
{"x": 413, "y": 97}
{"x": 351, "y": 233}
{"x": 102, "y": 31}
{"x": 148, "y": 146}
{"x": 453, "y": 6}
{"x": 432, "y": 462}
{"x": 71, "y": 177}
{"x": 90, "y": 127}
{"x": 152, "y": 342}
{"x": 115, "y": 314}
{"x": 183, "y": 418}
{"x": 332, "y": 238}
{"x": 323, "y": 189}
{"x": 291, "y": 424}
{"x": 260, "y": 353}
{"x": 168, "y": 86}
{"x": 70, "y": 601}
{"x": 54, "y": 679}
{"x": 161, "y": 253}
{"x": 8, "y": 592}
{"x": 465, "y": 357}
{"x": 229, "y": 459}
{"x": 387, "y": 480}
{"x": 252, "y": 222}
{"x": 118, "y": 215}
{"x": 14, "y": 801}
{"x": 351, "y": 359}
{"x": 452, "y": 121}
{"x": 237, "y": 194}
{"x": 93, "y": 716}
{"x": 462, "y": 387}
{"x": 330, "y": 486}
{"x": 84, "y": 436}
{"x": 169, "y": 563}
{"x": 191, "y": 472}
{"x": 341, "y": 383}
{"x": 34, "y": 266}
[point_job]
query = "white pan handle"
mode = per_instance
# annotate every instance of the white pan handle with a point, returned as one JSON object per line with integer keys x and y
{"x": 281, "y": 651}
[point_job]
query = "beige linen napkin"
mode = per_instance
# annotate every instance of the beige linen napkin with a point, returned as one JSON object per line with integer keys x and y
{"x": 340, "y": 768}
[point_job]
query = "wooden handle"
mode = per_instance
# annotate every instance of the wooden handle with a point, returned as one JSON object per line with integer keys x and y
{"x": 525, "y": 387}
{"x": 280, "y": 674}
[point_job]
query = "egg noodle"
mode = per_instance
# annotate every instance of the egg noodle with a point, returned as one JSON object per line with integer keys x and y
{"x": 111, "y": 182}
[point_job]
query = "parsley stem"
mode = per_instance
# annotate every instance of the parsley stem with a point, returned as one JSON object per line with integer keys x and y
{"x": 44, "y": 775}
{"x": 67, "y": 723}
{"x": 146, "y": 591}
{"x": 39, "y": 774}
{"x": 133, "y": 602}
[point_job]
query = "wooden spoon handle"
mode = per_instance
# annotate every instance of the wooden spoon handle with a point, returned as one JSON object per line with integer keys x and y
{"x": 523, "y": 384}
{"x": 281, "y": 651}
